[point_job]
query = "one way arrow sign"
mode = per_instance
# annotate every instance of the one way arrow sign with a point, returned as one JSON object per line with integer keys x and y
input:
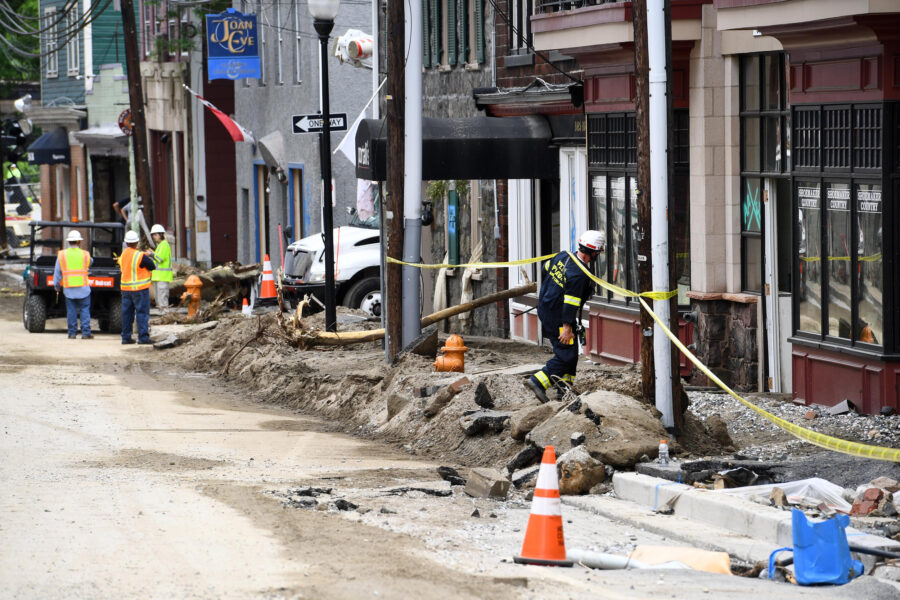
{"x": 314, "y": 123}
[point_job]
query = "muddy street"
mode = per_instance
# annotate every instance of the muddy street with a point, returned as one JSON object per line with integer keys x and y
{"x": 126, "y": 476}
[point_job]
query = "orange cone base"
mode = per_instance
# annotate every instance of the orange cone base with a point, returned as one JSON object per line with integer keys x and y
{"x": 544, "y": 542}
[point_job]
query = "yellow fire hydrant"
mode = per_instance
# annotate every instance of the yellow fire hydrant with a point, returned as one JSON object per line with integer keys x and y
{"x": 193, "y": 295}
{"x": 454, "y": 358}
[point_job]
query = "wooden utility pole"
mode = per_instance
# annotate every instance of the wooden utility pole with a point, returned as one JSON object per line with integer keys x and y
{"x": 396, "y": 90}
{"x": 678, "y": 397}
{"x": 136, "y": 99}
{"x": 3, "y": 240}
{"x": 642, "y": 123}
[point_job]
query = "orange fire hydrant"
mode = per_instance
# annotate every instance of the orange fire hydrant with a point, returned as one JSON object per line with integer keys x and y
{"x": 454, "y": 358}
{"x": 193, "y": 295}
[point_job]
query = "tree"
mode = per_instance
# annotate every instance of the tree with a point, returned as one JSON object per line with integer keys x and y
{"x": 15, "y": 68}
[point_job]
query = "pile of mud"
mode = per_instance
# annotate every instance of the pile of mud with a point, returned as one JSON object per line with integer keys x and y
{"x": 352, "y": 388}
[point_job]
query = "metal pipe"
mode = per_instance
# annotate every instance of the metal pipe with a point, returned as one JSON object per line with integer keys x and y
{"x": 659, "y": 186}
{"x": 412, "y": 176}
{"x": 602, "y": 560}
{"x": 323, "y": 28}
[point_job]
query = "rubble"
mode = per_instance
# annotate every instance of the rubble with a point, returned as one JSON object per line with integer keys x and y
{"x": 525, "y": 478}
{"x": 529, "y": 455}
{"x": 480, "y": 421}
{"x": 395, "y": 404}
{"x": 483, "y": 396}
{"x": 524, "y": 420}
{"x": 487, "y": 483}
{"x": 451, "y": 475}
{"x": 886, "y": 483}
{"x": 579, "y": 472}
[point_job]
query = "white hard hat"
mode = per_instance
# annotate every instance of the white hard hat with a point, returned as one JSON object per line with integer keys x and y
{"x": 74, "y": 236}
{"x": 131, "y": 237}
{"x": 157, "y": 229}
{"x": 592, "y": 241}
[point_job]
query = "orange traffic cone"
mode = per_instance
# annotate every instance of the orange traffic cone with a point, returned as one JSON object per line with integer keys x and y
{"x": 267, "y": 289}
{"x": 245, "y": 308}
{"x": 544, "y": 543}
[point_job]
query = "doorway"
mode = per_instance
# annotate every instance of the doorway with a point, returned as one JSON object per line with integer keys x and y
{"x": 778, "y": 228}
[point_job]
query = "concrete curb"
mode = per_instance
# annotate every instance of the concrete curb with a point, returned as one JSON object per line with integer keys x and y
{"x": 743, "y": 517}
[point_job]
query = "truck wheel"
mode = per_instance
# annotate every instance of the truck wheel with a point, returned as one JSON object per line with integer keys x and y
{"x": 34, "y": 313}
{"x": 114, "y": 320}
{"x": 365, "y": 295}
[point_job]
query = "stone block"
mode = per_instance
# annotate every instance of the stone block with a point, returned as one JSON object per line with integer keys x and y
{"x": 480, "y": 421}
{"x": 439, "y": 401}
{"x": 487, "y": 483}
{"x": 578, "y": 472}
{"x": 523, "y": 421}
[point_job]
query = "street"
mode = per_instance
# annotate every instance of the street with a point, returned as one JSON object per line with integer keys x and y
{"x": 127, "y": 477}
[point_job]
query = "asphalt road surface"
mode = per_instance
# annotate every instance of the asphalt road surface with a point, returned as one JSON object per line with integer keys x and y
{"x": 124, "y": 477}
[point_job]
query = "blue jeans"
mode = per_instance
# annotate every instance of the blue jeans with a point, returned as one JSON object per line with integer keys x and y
{"x": 78, "y": 308}
{"x": 136, "y": 305}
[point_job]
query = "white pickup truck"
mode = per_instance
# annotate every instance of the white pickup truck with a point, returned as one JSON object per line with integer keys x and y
{"x": 357, "y": 259}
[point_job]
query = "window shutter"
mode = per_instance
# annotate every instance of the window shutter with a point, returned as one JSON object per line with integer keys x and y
{"x": 452, "y": 5}
{"x": 479, "y": 31}
{"x": 426, "y": 34}
{"x": 464, "y": 35}
{"x": 436, "y": 49}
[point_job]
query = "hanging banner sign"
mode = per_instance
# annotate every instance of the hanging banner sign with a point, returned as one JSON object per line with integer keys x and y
{"x": 232, "y": 44}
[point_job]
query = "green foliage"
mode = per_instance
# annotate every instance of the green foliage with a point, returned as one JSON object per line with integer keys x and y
{"x": 14, "y": 68}
{"x": 436, "y": 190}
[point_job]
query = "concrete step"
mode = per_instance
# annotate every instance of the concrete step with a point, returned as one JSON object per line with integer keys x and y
{"x": 742, "y": 517}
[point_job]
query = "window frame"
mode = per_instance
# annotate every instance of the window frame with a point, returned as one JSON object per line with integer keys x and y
{"x": 51, "y": 43}
{"x": 298, "y": 67}
{"x": 73, "y": 47}
{"x": 279, "y": 45}
{"x": 520, "y": 36}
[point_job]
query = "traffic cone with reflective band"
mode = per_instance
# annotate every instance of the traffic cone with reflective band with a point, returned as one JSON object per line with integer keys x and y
{"x": 267, "y": 291}
{"x": 544, "y": 543}
{"x": 245, "y": 308}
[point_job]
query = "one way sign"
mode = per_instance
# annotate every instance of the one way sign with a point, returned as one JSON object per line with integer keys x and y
{"x": 314, "y": 123}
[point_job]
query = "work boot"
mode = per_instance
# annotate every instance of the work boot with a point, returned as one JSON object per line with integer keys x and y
{"x": 87, "y": 336}
{"x": 128, "y": 341}
{"x": 71, "y": 336}
{"x": 538, "y": 391}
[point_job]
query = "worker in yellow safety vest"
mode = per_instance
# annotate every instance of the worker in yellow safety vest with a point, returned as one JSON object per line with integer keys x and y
{"x": 71, "y": 274}
{"x": 136, "y": 268}
{"x": 163, "y": 273}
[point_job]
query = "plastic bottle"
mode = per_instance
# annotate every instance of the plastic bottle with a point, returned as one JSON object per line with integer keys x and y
{"x": 663, "y": 453}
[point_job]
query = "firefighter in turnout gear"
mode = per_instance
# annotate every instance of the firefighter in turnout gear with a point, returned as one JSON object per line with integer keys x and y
{"x": 71, "y": 274}
{"x": 563, "y": 292}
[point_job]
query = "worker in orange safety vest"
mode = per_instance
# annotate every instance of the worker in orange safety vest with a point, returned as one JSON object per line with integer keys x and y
{"x": 136, "y": 267}
{"x": 71, "y": 274}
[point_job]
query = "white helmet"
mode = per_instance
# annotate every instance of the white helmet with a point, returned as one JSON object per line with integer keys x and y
{"x": 592, "y": 241}
{"x": 157, "y": 229}
{"x": 131, "y": 237}
{"x": 74, "y": 236}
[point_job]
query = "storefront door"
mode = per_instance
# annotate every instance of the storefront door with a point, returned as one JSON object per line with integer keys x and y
{"x": 777, "y": 223}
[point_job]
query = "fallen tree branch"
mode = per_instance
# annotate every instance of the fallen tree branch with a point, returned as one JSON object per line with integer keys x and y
{"x": 328, "y": 338}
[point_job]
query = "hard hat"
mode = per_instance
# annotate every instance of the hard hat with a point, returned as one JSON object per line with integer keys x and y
{"x": 131, "y": 237}
{"x": 74, "y": 236}
{"x": 157, "y": 229}
{"x": 592, "y": 241}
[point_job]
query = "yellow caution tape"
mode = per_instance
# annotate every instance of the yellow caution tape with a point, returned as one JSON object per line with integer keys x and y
{"x": 872, "y": 258}
{"x": 813, "y": 437}
{"x": 620, "y": 290}
{"x": 484, "y": 265}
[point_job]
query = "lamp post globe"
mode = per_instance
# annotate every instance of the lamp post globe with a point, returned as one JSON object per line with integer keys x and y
{"x": 324, "y": 10}
{"x": 323, "y": 13}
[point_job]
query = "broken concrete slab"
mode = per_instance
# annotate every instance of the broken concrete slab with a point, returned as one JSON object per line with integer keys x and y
{"x": 529, "y": 455}
{"x": 618, "y": 429}
{"x": 529, "y": 369}
{"x": 426, "y": 344}
{"x": 577, "y": 439}
{"x": 487, "y": 483}
{"x": 460, "y": 384}
{"x": 441, "y": 489}
{"x": 670, "y": 471}
{"x": 439, "y": 401}
{"x": 842, "y": 408}
{"x": 480, "y": 421}
{"x": 885, "y": 483}
{"x": 483, "y": 396}
{"x": 525, "y": 478}
{"x": 579, "y": 472}
{"x": 523, "y": 421}
{"x": 169, "y": 342}
{"x": 451, "y": 475}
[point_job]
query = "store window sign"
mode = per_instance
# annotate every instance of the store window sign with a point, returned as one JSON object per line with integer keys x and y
{"x": 868, "y": 201}
{"x": 838, "y": 198}
{"x": 232, "y": 46}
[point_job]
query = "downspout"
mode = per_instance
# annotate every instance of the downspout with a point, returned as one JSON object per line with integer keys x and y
{"x": 659, "y": 184}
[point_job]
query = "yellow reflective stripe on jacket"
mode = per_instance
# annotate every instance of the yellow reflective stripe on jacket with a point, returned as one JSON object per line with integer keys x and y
{"x": 134, "y": 277}
{"x": 74, "y": 264}
{"x": 573, "y": 300}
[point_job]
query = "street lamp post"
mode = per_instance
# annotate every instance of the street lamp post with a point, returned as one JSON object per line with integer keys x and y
{"x": 323, "y": 13}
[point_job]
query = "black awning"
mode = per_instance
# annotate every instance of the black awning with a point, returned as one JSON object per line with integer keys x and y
{"x": 476, "y": 148}
{"x": 50, "y": 149}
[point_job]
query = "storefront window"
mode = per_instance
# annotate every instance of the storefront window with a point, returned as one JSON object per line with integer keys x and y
{"x": 837, "y": 198}
{"x": 751, "y": 234}
{"x": 616, "y": 245}
{"x": 870, "y": 280}
{"x": 598, "y": 219}
{"x": 810, "y": 264}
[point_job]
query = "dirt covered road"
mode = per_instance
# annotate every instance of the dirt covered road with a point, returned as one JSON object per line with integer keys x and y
{"x": 125, "y": 476}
